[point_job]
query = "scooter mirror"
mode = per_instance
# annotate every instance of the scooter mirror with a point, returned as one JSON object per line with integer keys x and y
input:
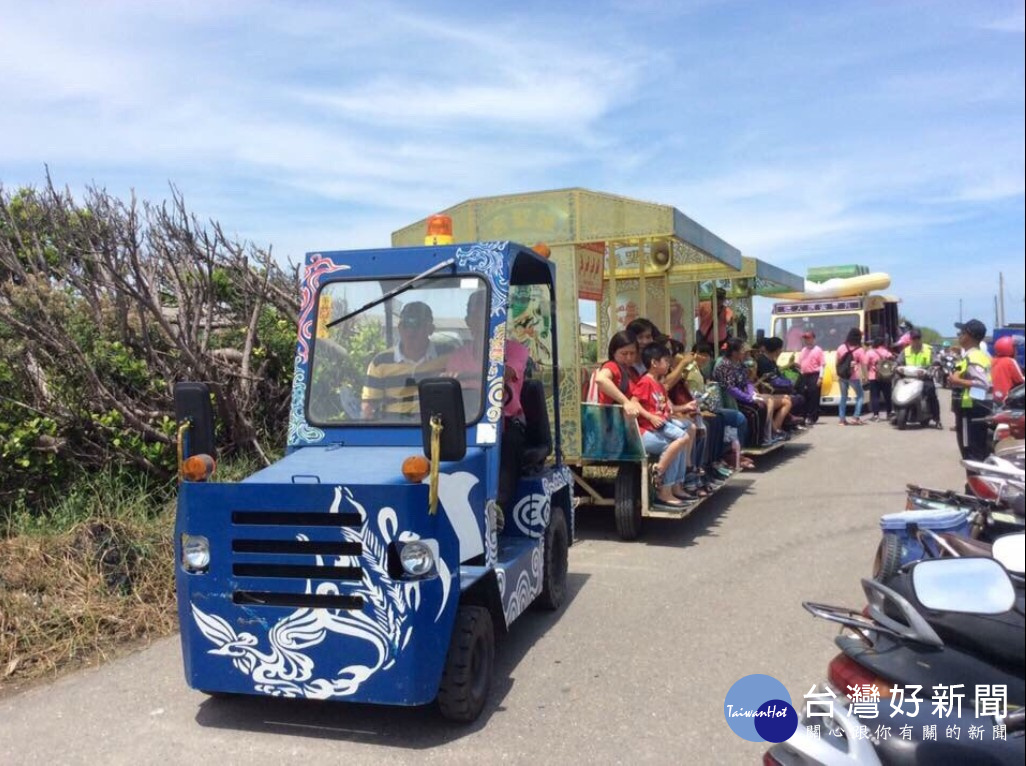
{"x": 967, "y": 585}
{"x": 1010, "y": 551}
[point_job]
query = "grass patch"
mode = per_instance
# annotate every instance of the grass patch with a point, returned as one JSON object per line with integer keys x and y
{"x": 73, "y": 597}
{"x": 90, "y": 573}
{"x": 112, "y": 495}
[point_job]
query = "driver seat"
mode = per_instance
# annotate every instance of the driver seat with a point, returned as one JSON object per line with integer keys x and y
{"x": 537, "y": 432}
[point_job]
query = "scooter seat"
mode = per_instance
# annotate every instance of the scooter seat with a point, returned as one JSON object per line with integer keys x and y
{"x": 996, "y": 638}
{"x": 965, "y": 546}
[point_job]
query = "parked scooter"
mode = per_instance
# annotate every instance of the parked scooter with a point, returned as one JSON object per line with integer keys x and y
{"x": 909, "y": 395}
{"x": 1008, "y": 427}
{"x": 987, "y": 519}
{"x": 1000, "y": 479}
{"x": 946, "y": 623}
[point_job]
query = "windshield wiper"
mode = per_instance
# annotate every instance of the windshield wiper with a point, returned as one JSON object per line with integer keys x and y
{"x": 393, "y": 293}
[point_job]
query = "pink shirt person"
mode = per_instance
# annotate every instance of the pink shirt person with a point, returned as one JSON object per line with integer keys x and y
{"x": 873, "y": 357}
{"x": 466, "y": 363}
{"x": 810, "y": 360}
{"x": 858, "y": 357}
{"x": 516, "y": 366}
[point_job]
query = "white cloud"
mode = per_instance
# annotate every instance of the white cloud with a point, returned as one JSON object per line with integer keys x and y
{"x": 792, "y": 135}
{"x": 1015, "y": 23}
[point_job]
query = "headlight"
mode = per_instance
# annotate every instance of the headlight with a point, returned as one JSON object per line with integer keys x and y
{"x": 195, "y": 553}
{"x": 417, "y": 557}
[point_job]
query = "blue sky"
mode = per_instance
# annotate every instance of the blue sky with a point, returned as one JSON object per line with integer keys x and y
{"x": 804, "y": 133}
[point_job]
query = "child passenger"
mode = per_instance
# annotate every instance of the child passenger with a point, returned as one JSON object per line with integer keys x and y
{"x": 661, "y": 436}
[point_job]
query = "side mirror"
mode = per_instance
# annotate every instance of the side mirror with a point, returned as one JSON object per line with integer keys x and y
{"x": 192, "y": 404}
{"x": 1010, "y": 552}
{"x": 967, "y": 585}
{"x": 443, "y": 397}
{"x": 1016, "y": 721}
{"x": 1016, "y": 398}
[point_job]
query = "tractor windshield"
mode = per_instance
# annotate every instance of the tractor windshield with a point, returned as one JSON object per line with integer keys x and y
{"x": 365, "y": 370}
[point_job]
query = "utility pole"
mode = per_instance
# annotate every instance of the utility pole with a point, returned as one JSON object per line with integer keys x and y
{"x": 960, "y": 311}
{"x": 1001, "y": 299}
{"x": 997, "y": 317}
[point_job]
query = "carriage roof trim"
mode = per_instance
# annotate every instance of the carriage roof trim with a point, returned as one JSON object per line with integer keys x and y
{"x": 577, "y": 216}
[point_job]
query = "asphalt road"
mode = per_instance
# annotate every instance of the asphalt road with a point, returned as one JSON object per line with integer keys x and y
{"x": 633, "y": 670}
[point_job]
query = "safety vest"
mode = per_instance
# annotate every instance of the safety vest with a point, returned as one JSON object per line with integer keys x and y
{"x": 978, "y": 358}
{"x": 920, "y": 359}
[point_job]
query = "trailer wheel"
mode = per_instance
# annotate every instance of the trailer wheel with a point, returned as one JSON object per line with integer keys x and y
{"x": 467, "y": 676}
{"x": 627, "y": 508}
{"x": 888, "y": 558}
{"x": 557, "y": 547}
{"x": 901, "y": 418}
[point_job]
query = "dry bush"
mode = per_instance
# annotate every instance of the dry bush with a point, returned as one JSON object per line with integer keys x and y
{"x": 104, "y": 305}
{"x": 72, "y": 598}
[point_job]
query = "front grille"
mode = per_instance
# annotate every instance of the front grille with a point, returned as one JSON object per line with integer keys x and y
{"x": 297, "y": 570}
{"x": 310, "y": 600}
{"x": 286, "y": 557}
{"x": 303, "y": 547}
{"x": 299, "y": 519}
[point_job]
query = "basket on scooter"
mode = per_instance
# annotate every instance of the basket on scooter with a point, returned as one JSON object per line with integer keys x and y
{"x": 901, "y": 545}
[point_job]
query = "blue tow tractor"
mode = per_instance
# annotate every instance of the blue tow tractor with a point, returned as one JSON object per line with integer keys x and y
{"x": 374, "y": 562}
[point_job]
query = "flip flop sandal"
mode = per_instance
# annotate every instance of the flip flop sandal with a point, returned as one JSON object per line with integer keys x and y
{"x": 675, "y": 504}
{"x": 657, "y": 477}
{"x": 697, "y": 490}
{"x": 747, "y": 464}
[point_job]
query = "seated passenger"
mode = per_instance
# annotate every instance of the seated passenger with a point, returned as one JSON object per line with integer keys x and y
{"x": 645, "y": 333}
{"x": 775, "y": 386}
{"x": 740, "y": 394}
{"x": 513, "y": 427}
{"x": 694, "y": 374}
{"x": 659, "y": 434}
{"x": 390, "y": 387}
{"x": 685, "y": 408}
{"x": 466, "y": 364}
{"x": 615, "y": 377}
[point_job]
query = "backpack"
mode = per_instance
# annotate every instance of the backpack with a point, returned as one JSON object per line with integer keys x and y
{"x": 885, "y": 369}
{"x": 844, "y": 364}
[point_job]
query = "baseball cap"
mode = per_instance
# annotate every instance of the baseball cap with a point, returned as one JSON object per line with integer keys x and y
{"x": 974, "y": 328}
{"x": 416, "y": 314}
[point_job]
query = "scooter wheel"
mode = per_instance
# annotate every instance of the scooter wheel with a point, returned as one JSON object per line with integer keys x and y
{"x": 888, "y": 558}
